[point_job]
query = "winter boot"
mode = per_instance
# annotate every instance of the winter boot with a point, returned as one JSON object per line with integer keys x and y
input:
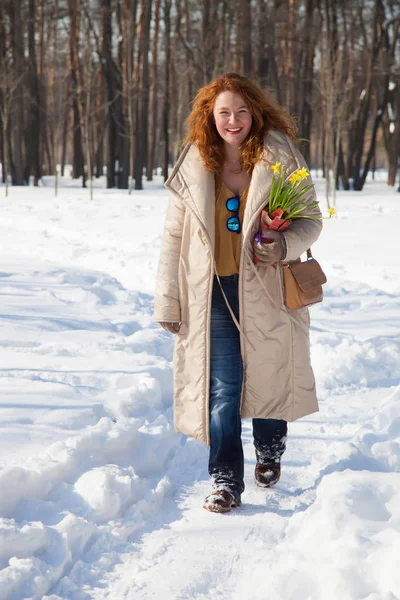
{"x": 220, "y": 501}
{"x": 267, "y": 475}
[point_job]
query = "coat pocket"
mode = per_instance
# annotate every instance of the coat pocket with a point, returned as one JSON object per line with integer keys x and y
{"x": 183, "y": 292}
{"x": 201, "y": 237}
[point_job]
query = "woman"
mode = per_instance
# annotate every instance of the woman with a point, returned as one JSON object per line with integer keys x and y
{"x": 239, "y": 351}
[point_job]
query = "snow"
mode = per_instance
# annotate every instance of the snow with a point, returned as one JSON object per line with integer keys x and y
{"x": 101, "y": 499}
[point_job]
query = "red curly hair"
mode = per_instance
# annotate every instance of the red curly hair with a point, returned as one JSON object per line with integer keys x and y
{"x": 266, "y": 113}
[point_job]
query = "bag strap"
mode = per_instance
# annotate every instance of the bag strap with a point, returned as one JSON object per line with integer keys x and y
{"x": 230, "y": 308}
{"x": 309, "y": 255}
{"x": 257, "y": 274}
{"x": 227, "y": 302}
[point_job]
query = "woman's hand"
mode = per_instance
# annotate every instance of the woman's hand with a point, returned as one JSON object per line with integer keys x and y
{"x": 171, "y": 327}
{"x": 270, "y": 253}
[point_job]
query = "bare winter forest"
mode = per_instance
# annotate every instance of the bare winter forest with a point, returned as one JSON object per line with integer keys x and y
{"x": 106, "y": 85}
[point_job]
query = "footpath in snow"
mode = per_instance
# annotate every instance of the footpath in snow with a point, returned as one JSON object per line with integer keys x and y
{"x": 101, "y": 499}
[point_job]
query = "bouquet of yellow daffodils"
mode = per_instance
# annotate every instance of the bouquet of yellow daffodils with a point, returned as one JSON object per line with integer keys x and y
{"x": 287, "y": 201}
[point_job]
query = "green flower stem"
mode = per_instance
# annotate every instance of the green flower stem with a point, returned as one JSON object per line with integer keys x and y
{"x": 288, "y": 197}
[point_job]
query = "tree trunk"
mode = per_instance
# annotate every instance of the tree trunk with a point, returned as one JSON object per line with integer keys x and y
{"x": 306, "y": 80}
{"x": 391, "y": 116}
{"x": 128, "y": 83}
{"x": 247, "y": 52}
{"x": 47, "y": 101}
{"x": 108, "y": 68}
{"x": 262, "y": 58}
{"x": 74, "y": 23}
{"x": 273, "y": 53}
{"x": 50, "y": 124}
{"x": 153, "y": 95}
{"x": 66, "y": 119}
{"x": 391, "y": 133}
{"x": 3, "y": 151}
{"x": 100, "y": 125}
{"x": 189, "y": 54}
{"x": 143, "y": 96}
{"x": 18, "y": 112}
{"x": 389, "y": 61}
{"x": 167, "y": 46}
{"x": 362, "y": 121}
{"x": 34, "y": 115}
{"x": 121, "y": 104}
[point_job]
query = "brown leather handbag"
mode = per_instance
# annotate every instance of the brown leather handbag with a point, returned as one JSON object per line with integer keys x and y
{"x": 303, "y": 282}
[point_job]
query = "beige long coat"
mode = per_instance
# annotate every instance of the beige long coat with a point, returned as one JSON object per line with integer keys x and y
{"x": 278, "y": 379}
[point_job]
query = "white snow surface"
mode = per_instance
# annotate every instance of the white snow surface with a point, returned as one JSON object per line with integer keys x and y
{"x": 101, "y": 499}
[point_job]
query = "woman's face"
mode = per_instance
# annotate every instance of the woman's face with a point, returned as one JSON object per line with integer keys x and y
{"x": 232, "y": 117}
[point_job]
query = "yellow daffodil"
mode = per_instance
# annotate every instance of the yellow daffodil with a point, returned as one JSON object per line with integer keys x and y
{"x": 332, "y": 211}
{"x": 276, "y": 167}
{"x": 299, "y": 175}
{"x": 294, "y": 178}
{"x": 303, "y": 173}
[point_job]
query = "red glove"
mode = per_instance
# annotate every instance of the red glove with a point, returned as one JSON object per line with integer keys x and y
{"x": 270, "y": 225}
{"x": 270, "y": 249}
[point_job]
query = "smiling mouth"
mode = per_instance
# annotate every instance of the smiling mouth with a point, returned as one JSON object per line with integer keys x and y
{"x": 234, "y": 130}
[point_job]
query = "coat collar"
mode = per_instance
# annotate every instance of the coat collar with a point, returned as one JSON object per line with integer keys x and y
{"x": 195, "y": 185}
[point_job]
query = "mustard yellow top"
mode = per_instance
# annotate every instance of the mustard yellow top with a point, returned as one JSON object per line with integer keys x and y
{"x": 227, "y": 243}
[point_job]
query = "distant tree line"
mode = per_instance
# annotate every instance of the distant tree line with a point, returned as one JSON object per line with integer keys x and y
{"x": 106, "y": 85}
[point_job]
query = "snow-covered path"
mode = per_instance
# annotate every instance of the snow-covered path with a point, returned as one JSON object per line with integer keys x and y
{"x": 274, "y": 545}
{"x": 101, "y": 499}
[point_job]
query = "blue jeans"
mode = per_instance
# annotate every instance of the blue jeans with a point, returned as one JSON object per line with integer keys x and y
{"x": 226, "y": 464}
